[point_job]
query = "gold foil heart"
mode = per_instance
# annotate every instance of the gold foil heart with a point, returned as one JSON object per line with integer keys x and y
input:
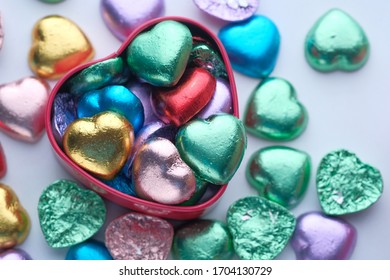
{"x": 100, "y": 144}
{"x": 58, "y": 46}
{"x": 14, "y": 220}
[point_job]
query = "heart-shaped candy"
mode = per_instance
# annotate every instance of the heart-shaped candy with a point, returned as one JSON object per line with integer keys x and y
{"x": 274, "y": 112}
{"x": 252, "y": 45}
{"x": 280, "y": 174}
{"x": 14, "y": 255}
{"x": 100, "y": 144}
{"x": 159, "y": 174}
{"x": 68, "y": 214}
{"x": 179, "y": 104}
{"x": 112, "y": 98}
{"x": 260, "y": 228}
{"x": 14, "y": 220}
{"x": 214, "y": 147}
{"x": 122, "y": 18}
{"x": 58, "y": 46}
{"x": 336, "y": 41}
{"x": 22, "y": 108}
{"x": 136, "y": 236}
{"x": 88, "y": 250}
{"x": 345, "y": 184}
{"x": 203, "y": 240}
{"x": 160, "y": 56}
{"x": 319, "y": 237}
{"x": 64, "y": 113}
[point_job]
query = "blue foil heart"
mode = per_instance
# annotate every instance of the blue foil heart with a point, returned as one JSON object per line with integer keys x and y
{"x": 112, "y": 98}
{"x": 252, "y": 45}
{"x": 88, "y": 250}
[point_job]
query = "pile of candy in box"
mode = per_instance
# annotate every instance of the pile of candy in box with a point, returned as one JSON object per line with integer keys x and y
{"x": 154, "y": 127}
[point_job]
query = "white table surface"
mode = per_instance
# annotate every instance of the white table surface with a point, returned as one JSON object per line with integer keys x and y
{"x": 346, "y": 110}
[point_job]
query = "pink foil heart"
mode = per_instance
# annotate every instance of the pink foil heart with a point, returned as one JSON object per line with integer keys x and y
{"x": 22, "y": 108}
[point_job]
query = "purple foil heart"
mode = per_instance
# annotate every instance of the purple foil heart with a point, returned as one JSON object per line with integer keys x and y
{"x": 14, "y": 255}
{"x": 320, "y": 237}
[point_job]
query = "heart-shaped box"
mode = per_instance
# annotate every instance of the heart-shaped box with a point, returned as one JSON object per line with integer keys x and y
{"x": 134, "y": 203}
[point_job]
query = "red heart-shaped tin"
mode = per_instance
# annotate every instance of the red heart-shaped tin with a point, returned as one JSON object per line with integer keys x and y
{"x": 134, "y": 203}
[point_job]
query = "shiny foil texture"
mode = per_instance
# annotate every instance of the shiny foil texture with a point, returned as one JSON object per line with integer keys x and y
{"x": 88, "y": 250}
{"x": 213, "y": 148}
{"x": 203, "y": 240}
{"x": 260, "y": 228}
{"x": 280, "y": 174}
{"x": 273, "y": 111}
{"x": 22, "y": 108}
{"x": 136, "y": 236}
{"x": 100, "y": 144}
{"x": 58, "y": 46}
{"x": 345, "y": 184}
{"x": 160, "y": 56}
{"x": 69, "y": 214}
{"x": 14, "y": 255}
{"x": 14, "y": 220}
{"x": 123, "y": 18}
{"x": 160, "y": 175}
{"x": 229, "y": 10}
{"x": 203, "y": 56}
{"x": 179, "y": 104}
{"x": 143, "y": 91}
{"x": 336, "y": 42}
{"x": 108, "y": 72}
{"x": 115, "y": 98}
{"x": 320, "y": 237}
{"x": 252, "y": 45}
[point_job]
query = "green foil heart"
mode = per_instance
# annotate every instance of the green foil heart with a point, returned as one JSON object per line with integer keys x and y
{"x": 280, "y": 174}
{"x": 160, "y": 56}
{"x": 347, "y": 185}
{"x": 203, "y": 240}
{"x": 68, "y": 214}
{"x": 336, "y": 41}
{"x": 273, "y": 111}
{"x": 260, "y": 228}
{"x": 213, "y": 148}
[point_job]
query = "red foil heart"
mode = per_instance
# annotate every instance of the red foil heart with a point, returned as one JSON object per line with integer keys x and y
{"x": 134, "y": 203}
{"x": 179, "y": 104}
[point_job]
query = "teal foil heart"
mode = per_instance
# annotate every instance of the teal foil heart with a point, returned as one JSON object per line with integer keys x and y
{"x": 336, "y": 41}
{"x": 260, "y": 228}
{"x": 280, "y": 174}
{"x": 214, "y": 147}
{"x": 347, "y": 185}
{"x": 68, "y": 214}
{"x": 160, "y": 56}
{"x": 273, "y": 111}
{"x": 112, "y": 98}
{"x": 252, "y": 45}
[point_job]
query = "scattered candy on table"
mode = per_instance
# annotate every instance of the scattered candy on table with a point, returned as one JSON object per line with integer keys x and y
{"x": 274, "y": 112}
{"x": 345, "y": 184}
{"x": 336, "y": 42}
{"x": 58, "y": 46}
{"x": 22, "y": 108}
{"x": 203, "y": 240}
{"x": 252, "y": 45}
{"x": 280, "y": 174}
{"x": 136, "y": 236}
{"x": 122, "y": 18}
{"x": 14, "y": 220}
{"x": 260, "y": 228}
{"x": 69, "y": 214}
{"x": 321, "y": 237}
